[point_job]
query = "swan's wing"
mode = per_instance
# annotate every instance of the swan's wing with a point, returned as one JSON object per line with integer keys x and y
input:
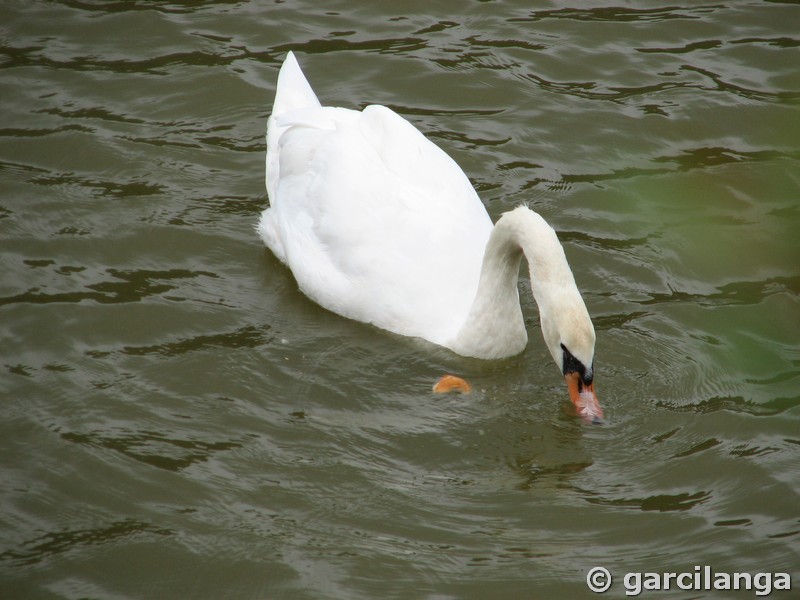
{"x": 375, "y": 221}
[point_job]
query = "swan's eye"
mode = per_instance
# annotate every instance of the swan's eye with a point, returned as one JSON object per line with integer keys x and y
{"x": 571, "y": 364}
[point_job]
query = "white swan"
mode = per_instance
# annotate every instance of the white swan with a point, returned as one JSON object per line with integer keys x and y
{"x": 380, "y": 225}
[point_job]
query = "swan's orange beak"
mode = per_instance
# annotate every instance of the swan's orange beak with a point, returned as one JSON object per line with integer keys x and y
{"x": 583, "y": 397}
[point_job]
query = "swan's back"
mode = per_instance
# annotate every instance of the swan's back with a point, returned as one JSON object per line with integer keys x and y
{"x": 375, "y": 221}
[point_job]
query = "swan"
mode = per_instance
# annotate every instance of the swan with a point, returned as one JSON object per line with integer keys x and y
{"x": 380, "y": 225}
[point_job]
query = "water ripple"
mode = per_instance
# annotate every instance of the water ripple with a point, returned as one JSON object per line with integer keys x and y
{"x": 132, "y": 286}
{"x": 619, "y": 14}
{"x": 660, "y": 502}
{"x": 250, "y": 336}
{"x": 55, "y": 543}
{"x": 153, "y": 448}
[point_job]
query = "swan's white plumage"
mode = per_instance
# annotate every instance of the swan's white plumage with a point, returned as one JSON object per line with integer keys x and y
{"x": 375, "y": 221}
{"x": 380, "y": 225}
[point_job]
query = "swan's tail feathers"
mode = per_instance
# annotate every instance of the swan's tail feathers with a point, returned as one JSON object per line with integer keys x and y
{"x": 268, "y": 232}
{"x": 293, "y": 91}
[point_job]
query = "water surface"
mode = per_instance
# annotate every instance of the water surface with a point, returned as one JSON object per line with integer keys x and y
{"x": 178, "y": 421}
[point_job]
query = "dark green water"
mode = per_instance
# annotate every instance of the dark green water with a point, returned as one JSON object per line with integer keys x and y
{"x": 178, "y": 421}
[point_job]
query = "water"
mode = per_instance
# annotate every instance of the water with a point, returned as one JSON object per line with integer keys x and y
{"x": 178, "y": 421}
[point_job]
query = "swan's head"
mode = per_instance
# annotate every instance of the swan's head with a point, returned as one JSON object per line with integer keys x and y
{"x": 569, "y": 335}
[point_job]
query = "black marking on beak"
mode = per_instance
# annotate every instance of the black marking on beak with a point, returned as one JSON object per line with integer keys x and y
{"x": 570, "y": 364}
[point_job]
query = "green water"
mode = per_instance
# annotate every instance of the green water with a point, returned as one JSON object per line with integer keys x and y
{"x": 178, "y": 421}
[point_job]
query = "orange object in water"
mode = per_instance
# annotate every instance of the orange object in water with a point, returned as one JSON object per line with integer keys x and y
{"x": 451, "y": 383}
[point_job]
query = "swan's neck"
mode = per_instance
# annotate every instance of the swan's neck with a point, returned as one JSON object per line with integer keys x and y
{"x": 494, "y": 327}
